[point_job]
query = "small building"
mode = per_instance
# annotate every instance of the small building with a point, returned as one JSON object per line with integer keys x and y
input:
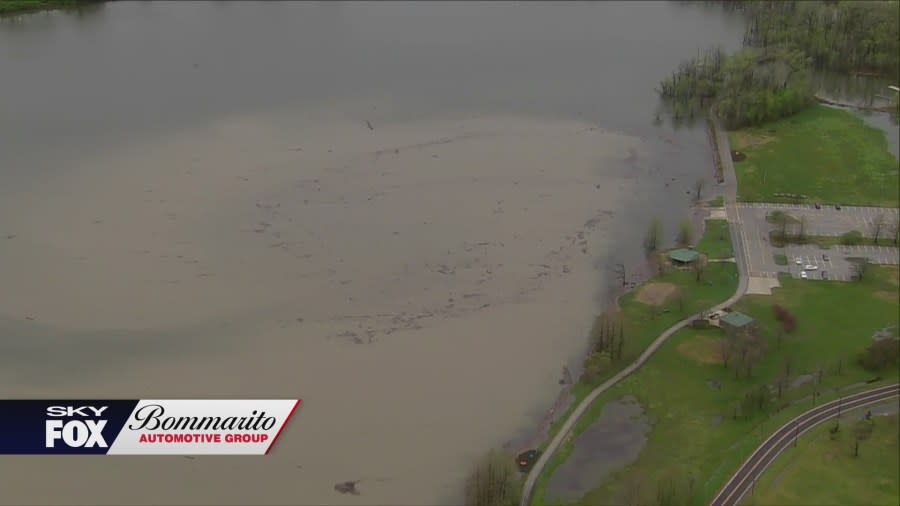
{"x": 735, "y": 322}
{"x": 683, "y": 256}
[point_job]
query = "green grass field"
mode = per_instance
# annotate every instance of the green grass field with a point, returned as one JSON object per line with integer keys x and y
{"x": 797, "y": 477}
{"x": 716, "y": 241}
{"x": 824, "y": 241}
{"x": 716, "y": 202}
{"x": 695, "y": 440}
{"x": 827, "y": 154}
{"x": 780, "y": 259}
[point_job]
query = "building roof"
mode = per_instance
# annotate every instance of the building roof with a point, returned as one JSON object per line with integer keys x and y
{"x": 736, "y": 319}
{"x": 683, "y": 255}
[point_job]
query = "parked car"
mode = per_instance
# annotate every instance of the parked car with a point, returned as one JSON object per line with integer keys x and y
{"x": 803, "y": 275}
{"x": 824, "y": 274}
{"x": 825, "y": 257}
{"x": 798, "y": 261}
{"x": 810, "y": 267}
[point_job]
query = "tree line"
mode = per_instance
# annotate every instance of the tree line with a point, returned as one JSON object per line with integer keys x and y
{"x": 784, "y": 40}
{"x": 856, "y": 37}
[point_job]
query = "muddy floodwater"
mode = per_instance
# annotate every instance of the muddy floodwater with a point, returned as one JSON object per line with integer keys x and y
{"x": 403, "y": 213}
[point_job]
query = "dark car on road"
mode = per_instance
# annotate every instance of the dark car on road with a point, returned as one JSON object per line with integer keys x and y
{"x": 825, "y": 257}
{"x": 824, "y": 274}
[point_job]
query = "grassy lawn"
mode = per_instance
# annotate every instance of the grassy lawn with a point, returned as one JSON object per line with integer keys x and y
{"x": 690, "y": 397}
{"x": 823, "y": 241}
{"x": 780, "y": 259}
{"x": 716, "y": 202}
{"x": 827, "y": 154}
{"x": 716, "y": 241}
{"x": 797, "y": 476}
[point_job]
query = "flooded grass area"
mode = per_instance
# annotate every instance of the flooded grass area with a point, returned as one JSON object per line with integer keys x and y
{"x": 614, "y": 440}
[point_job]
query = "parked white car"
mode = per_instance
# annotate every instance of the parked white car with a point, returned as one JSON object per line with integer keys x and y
{"x": 810, "y": 267}
{"x": 798, "y": 261}
{"x": 803, "y": 275}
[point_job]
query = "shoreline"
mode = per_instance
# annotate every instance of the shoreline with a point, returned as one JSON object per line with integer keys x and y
{"x": 19, "y": 8}
{"x": 640, "y": 275}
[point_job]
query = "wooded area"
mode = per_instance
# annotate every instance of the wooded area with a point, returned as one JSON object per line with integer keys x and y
{"x": 783, "y": 43}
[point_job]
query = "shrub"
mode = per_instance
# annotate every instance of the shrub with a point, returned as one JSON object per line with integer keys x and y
{"x": 788, "y": 321}
{"x": 596, "y": 366}
{"x": 880, "y": 354}
{"x": 852, "y": 238}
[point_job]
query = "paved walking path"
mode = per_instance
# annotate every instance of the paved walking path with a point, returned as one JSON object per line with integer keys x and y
{"x": 737, "y": 239}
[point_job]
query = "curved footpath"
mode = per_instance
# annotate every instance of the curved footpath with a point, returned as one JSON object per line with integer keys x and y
{"x": 745, "y": 478}
{"x": 730, "y": 189}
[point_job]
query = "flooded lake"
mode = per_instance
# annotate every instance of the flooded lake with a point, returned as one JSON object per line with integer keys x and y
{"x": 403, "y": 213}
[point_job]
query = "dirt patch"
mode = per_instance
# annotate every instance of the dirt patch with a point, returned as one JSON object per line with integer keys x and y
{"x": 656, "y": 294}
{"x": 894, "y": 277}
{"x": 702, "y": 349}
{"x": 747, "y": 140}
{"x": 888, "y": 296}
{"x": 612, "y": 442}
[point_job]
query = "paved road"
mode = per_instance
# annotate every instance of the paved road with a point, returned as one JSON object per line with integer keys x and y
{"x": 730, "y": 191}
{"x": 745, "y": 477}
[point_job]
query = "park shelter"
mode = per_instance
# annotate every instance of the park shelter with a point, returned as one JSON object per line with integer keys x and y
{"x": 736, "y": 322}
{"x": 683, "y": 256}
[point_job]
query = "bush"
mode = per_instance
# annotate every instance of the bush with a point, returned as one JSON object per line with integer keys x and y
{"x": 788, "y": 321}
{"x": 880, "y": 354}
{"x": 597, "y": 365}
{"x": 852, "y": 238}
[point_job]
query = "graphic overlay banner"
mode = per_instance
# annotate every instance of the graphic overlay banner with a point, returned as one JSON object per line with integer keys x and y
{"x": 143, "y": 427}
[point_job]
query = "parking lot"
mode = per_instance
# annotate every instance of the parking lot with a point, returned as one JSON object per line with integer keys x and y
{"x": 761, "y": 255}
{"x": 830, "y": 221}
{"x": 836, "y": 265}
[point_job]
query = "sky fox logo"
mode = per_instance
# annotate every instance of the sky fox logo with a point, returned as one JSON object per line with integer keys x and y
{"x": 75, "y": 433}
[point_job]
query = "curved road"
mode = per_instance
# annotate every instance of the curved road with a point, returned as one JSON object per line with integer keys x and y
{"x": 744, "y": 479}
{"x": 730, "y": 190}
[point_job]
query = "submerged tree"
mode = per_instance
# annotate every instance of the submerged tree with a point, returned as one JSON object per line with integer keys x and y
{"x": 494, "y": 482}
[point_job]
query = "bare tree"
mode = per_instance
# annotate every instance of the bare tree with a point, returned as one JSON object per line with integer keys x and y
{"x": 751, "y": 348}
{"x": 727, "y": 348}
{"x": 784, "y": 376}
{"x": 698, "y": 187}
{"x": 654, "y": 237}
{"x": 685, "y": 233}
{"x": 619, "y": 269}
{"x": 878, "y": 224}
{"x": 632, "y": 492}
{"x": 494, "y": 481}
{"x": 699, "y": 266}
{"x": 859, "y": 267}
